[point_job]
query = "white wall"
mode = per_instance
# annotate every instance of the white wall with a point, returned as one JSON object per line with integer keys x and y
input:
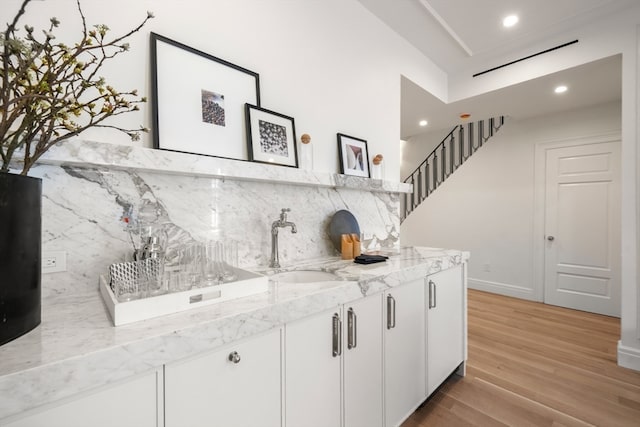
{"x": 618, "y": 34}
{"x": 329, "y": 64}
{"x": 486, "y": 207}
{"x": 629, "y": 345}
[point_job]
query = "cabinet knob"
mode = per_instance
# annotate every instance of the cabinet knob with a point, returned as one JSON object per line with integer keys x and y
{"x": 234, "y": 357}
{"x": 550, "y": 238}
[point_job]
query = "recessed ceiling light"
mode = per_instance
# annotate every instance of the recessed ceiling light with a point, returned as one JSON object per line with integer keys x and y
{"x": 510, "y": 21}
{"x": 423, "y": 123}
{"x": 560, "y": 89}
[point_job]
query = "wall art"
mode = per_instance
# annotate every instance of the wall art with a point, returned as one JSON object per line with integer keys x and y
{"x": 354, "y": 156}
{"x": 271, "y": 137}
{"x": 198, "y": 100}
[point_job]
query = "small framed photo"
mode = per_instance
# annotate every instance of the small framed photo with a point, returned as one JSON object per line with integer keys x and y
{"x": 271, "y": 137}
{"x": 354, "y": 156}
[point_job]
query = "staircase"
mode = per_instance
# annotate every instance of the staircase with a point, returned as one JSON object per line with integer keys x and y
{"x": 449, "y": 155}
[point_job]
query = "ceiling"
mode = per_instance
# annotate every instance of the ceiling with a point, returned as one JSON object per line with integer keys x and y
{"x": 468, "y": 36}
{"x": 529, "y": 99}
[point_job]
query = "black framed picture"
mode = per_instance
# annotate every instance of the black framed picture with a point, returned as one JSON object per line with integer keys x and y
{"x": 271, "y": 137}
{"x": 198, "y": 100}
{"x": 354, "y": 156}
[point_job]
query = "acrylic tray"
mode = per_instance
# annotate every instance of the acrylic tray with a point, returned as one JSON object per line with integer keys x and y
{"x": 248, "y": 283}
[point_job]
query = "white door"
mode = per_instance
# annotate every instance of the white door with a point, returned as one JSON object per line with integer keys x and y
{"x": 582, "y": 228}
{"x": 133, "y": 402}
{"x": 235, "y": 386}
{"x": 312, "y": 370}
{"x": 362, "y": 355}
{"x": 445, "y": 325}
{"x": 404, "y": 344}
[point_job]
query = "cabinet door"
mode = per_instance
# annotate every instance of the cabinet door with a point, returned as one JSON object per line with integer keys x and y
{"x": 237, "y": 386}
{"x": 404, "y": 351}
{"x": 362, "y": 358}
{"x": 312, "y": 370}
{"x": 130, "y": 403}
{"x": 445, "y": 325}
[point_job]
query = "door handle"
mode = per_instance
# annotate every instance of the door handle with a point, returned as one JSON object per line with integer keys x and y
{"x": 432, "y": 294}
{"x": 391, "y": 312}
{"x": 352, "y": 329}
{"x": 337, "y": 335}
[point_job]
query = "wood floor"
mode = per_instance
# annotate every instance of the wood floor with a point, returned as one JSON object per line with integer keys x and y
{"x": 532, "y": 364}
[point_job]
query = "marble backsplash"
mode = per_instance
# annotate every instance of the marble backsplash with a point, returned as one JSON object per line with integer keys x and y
{"x": 90, "y": 208}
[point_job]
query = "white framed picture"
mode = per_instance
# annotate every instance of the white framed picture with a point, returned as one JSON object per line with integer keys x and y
{"x": 354, "y": 156}
{"x": 271, "y": 137}
{"x": 198, "y": 101}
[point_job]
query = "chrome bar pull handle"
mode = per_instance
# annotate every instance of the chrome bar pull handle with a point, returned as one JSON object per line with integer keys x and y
{"x": 391, "y": 312}
{"x": 432, "y": 294}
{"x": 435, "y": 295}
{"x": 352, "y": 329}
{"x": 337, "y": 335}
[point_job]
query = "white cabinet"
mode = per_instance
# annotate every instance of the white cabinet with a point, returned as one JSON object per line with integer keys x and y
{"x": 368, "y": 363}
{"x": 333, "y": 367}
{"x": 312, "y": 370}
{"x": 362, "y": 358}
{"x": 404, "y": 350}
{"x": 236, "y": 386}
{"x": 446, "y": 325}
{"x": 133, "y": 403}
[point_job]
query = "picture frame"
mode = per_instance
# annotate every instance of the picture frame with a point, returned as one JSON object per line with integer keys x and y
{"x": 271, "y": 137}
{"x": 354, "y": 156}
{"x": 198, "y": 101}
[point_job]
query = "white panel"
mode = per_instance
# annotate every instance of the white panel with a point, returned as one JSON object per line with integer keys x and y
{"x": 312, "y": 374}
{"x": 363, "y": 404}
{"x": 583, "y": 285}
{"x": 405, "y": 382}
{"x": 583, "y": 224}
{"x": 445, "y": 325}
{"x": 212, "y": 390}
{"x": 584, "y": 164}
{"x": 131, "y": 403}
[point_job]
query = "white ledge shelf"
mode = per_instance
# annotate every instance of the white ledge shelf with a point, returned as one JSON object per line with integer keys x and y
{"x": 129, "y": 157}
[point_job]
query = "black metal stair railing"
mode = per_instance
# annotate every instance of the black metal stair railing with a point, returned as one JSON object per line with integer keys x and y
{"x": 449, "y": 155}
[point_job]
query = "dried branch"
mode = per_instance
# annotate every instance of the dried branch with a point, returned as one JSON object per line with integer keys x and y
{"x": 50, "y": 91}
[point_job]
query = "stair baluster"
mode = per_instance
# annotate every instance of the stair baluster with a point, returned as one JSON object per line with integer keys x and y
{"x": 471, "y": 138}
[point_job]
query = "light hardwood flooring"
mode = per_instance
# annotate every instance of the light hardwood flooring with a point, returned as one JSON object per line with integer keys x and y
{"x": 532, "y": 364}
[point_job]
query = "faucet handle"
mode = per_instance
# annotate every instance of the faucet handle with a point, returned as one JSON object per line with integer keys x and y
{"x": 283, "y": 214}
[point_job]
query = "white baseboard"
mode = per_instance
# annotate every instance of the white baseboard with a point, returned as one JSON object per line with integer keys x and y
{"x": 628, "y": 357}
{"x": 501, "y": 289}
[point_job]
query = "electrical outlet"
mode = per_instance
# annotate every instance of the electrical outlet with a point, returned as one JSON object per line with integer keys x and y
{"x": 54, "y": 261}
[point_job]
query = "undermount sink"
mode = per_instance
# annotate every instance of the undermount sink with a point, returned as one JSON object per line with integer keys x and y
{"x": 304, "y": 276}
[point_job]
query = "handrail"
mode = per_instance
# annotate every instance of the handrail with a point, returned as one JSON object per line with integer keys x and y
{"x": 446, "y": 158}
{"x": 432, "y": 152}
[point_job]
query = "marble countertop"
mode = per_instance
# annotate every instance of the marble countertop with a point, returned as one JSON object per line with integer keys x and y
{"x": 76, "y": 348}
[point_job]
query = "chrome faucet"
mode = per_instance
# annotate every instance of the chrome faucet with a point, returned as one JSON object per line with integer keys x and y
{"x": 281, "y": 223}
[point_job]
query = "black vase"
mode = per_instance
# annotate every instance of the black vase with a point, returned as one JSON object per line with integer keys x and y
{"x": 20, "y": 259}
